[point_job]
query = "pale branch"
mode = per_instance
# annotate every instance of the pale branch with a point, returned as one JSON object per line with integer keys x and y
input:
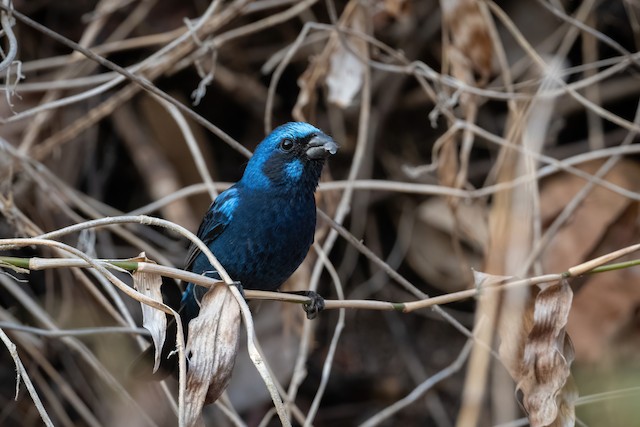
{"x": 597, "y": 265}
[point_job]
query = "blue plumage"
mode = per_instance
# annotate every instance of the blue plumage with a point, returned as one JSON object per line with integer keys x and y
{"x": 262, "y": 227}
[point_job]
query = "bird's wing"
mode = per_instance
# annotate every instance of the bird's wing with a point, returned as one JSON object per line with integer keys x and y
{"x": 216, "y": 219}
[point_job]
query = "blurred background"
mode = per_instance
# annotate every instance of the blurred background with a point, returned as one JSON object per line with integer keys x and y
{"x": 475, "y": 136}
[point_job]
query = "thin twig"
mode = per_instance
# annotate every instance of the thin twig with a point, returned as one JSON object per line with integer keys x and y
{"x": 419, "y": 391}
{"x": 74, "y": 332}
{"x": 133, "y": 77}
{"x": 328, "y": 363}
{"x": 5, "y": 22}
{"x": 24, "y": 376}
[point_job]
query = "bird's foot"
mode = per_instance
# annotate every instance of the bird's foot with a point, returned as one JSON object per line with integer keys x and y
{"x": 239, "y": 287}
{"x": 315, "y": 304}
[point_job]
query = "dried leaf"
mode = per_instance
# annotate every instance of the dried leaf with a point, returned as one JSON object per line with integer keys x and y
{"x": 211, "y": 350}
{"x": 395, "y": 8}
{"x": 605, "y": 304}
{"x": 310, "y": 80}
{"x": 471, "y": 48}
{"x": 433, "y": 255}
{"x": 548, "y": 354}
{"x": 155, "y": 321}
{"x": 574, "y": 242}
{"x": 485, "y": 280}
{"x": 347, "y": 69}
{"x": 605, "y": 308}
{"x": 471, "y": 219}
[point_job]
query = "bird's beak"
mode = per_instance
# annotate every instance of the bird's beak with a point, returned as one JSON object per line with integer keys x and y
{"x": 321, "y": 147}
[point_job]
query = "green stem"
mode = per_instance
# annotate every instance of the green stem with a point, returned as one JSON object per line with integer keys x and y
{"x": 125, "y": 265}
{"x": 24, "y": 263}
{"x": 18, "y": 262}
{"x": 616, "y": 266}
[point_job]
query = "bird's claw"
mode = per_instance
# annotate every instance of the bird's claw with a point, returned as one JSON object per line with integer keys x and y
{"x": 239, "y": 287}
{"x": 314, "y": 306}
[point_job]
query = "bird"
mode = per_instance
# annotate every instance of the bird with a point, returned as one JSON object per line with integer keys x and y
{"x": 261, "y": 228}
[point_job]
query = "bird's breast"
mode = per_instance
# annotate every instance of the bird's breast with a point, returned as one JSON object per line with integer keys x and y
{"x": 267, "y": 241}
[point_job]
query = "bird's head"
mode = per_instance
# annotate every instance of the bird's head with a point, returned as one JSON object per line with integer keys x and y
{"x": 290, "y": 156}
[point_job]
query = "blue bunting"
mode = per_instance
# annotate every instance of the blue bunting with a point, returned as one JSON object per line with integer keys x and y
{"x": 262, "y": 227}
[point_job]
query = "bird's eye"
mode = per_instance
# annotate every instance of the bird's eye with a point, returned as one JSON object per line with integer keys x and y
{"x": 286, "y": 144}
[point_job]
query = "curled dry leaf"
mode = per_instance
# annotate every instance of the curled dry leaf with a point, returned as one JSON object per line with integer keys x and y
{"x": 211, "y": 350}
{"x": 347, "y": 67}
{"x": 155, "y": 321}
{"x": 471, "y": 49}
{"x": 545, "y": 376}
{"x": 317, "y": 71}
